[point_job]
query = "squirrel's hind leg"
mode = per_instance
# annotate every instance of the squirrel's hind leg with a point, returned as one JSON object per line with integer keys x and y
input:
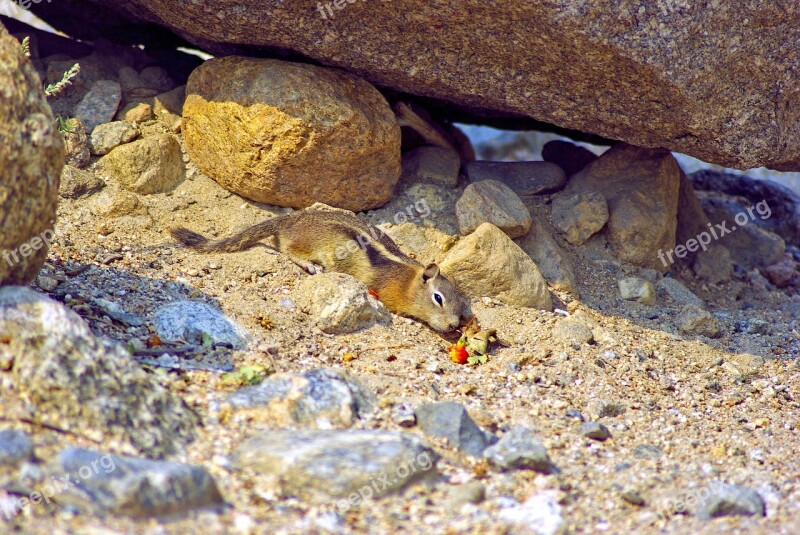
{"x": 307, "y": 265}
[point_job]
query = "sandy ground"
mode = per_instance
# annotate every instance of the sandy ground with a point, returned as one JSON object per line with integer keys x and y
{"x": 684, "y": 413}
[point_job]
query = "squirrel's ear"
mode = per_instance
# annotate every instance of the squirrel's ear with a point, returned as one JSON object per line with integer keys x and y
{"x": 431, "y": 272}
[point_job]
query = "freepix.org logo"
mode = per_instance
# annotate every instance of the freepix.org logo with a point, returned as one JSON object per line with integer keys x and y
{"x": 715, "y": 231}
{"x": 9, "y": 7}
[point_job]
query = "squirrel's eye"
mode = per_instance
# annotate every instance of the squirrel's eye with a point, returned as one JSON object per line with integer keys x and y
{"x": 438, "y": 299}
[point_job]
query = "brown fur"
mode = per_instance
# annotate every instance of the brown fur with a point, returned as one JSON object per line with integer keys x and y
{"x": 320, "y": 240}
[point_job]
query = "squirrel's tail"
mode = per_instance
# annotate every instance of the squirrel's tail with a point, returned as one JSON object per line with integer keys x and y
{"x": 238, "y": 242}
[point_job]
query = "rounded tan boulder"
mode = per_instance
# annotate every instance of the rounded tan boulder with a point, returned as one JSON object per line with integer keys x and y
{"x": 31, "y": 159}
{"x": 291, "y": 134}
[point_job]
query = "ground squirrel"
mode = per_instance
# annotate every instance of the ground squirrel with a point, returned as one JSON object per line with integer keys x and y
{"x": 318, "y": 240}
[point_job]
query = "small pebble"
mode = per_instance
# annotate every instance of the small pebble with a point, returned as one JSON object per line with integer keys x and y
{"x": 633, "y": 497}
{"x": 595, "y": 431}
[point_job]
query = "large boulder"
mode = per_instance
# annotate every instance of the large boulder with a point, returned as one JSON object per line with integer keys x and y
{"x": 290, "y": 134}
{"x": 719, "y": 83}
{"x": 31, "y": 159}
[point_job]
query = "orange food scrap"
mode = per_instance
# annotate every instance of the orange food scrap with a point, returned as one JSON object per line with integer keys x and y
{"x": 458, "y": 353}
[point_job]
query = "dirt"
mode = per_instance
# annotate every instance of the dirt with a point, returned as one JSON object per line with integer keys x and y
{"x": 699, "y": 410}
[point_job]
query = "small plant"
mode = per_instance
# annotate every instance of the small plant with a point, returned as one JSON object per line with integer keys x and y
{"x": 26, "y": 46}
{"x": 52, "y": 90}
{"x": 64, "y": 125}
{"x": 247, "y": 375}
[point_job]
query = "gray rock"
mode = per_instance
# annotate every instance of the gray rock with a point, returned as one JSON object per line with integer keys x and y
{"x": 130, "y": 80}
{"x": 679, "y": 293}
{"x": 579, "y": 215}
{"x": 595, "y": 431}
{"x": 714, "y": 265}
{"x": 48, "y": 284}
{"x": 337, "y": 464}
{"x": 697, "y": 321}
{"x": 431, "y": 164}
{"x": 549, "y": 257}
{"x": 197, "y": 323}
{"x": 729, "y": 500}
{"x": 451, "y": 421}
{"x": 538, "y": 515}
{"x": 116, "y": 312}
{"x": 779, "y": 208}
{"x": 568, "y": 156}
{"x": 150, "y": 165}
{"x": 136, "y": 487}
{"x": 15, "y": 447}
{"x": 490, "y": 201}
{"x": 318, "y": 399}
{"x": 100, "y": 104}
{"x": 752, "y": 326}
{"x": 648, "y": 451}
{"x": 519, "y": 448}
{"x": 470, "y": 492}
{"x": 86, "y": 384}
{"x": 157, "y": 78}
{"x": 77, "y": 183}
{"x": 572, "y": 331}
{"x": 783, "y": 273}
{"x": 108, "y": 136}
{"x": 750, "y": 244}
{"x": 339, "y": 303}
{"x": 637, "y": 289}
{"x": 525, "y": 178}
{"x": 601, "y": 408}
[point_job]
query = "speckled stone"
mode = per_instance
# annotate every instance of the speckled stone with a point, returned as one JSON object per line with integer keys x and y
{"x": 195, "y": 322}
{"x": 450, "y": 420}
{"x": 519, "y": 448}
{"x": 150, "y": 165}
{"x": 339, "y": 303}
{"x": 728, "y": 500}
{"x": 131, "y": 486}
{"x": 99, "y": 105}
{"x": 85, "y": 384}
{"x": 318, "y": 399}
{"x": 579, "y": 215}
{"x": 656, "y": 75}
{"x": 345, "y": 465}
{"x": 31, "y": 159}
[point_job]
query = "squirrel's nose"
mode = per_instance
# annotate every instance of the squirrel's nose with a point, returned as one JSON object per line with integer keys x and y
{"x": 454, "y": 325}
